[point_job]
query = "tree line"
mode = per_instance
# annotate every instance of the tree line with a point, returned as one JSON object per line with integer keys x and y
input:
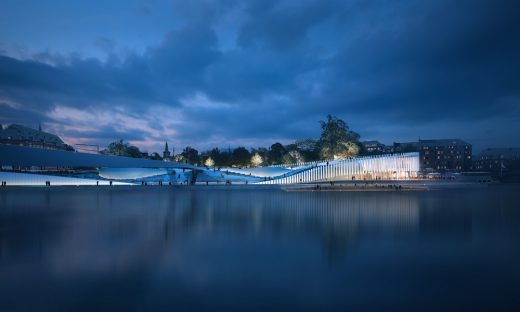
{"x": 336, "y": 141}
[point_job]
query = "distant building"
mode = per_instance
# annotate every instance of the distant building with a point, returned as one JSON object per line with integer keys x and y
{"x": 499, "y": 162}
{"x": 166, "y": 152}
{"x": 440, "y": 155}
{"x": 373, "y": 147}
{"x": 24, "y": 136}
{"x": 389, "y": 149}
{"x": 406, "y": 147}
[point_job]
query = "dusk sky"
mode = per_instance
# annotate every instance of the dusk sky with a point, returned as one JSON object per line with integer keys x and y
{"x": 230, "y": 73}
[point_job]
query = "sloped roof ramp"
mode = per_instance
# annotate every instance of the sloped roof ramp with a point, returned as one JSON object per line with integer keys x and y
{"x": 13, "y": 155}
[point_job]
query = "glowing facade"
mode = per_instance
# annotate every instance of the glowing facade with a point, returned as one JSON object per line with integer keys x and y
{"x": 31, "y": 166}
{"x": 382, "y": 167}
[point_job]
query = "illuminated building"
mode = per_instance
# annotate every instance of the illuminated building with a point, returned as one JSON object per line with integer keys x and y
{"x": 440, "y": 155}
{"x": 31, "y": 166}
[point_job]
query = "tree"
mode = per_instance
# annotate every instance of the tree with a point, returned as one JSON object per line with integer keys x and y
{"x": 191, "y": 155}
{"x": 224, "y": 159}
{"x": 133, "y": 151}
{"x": 256, "y": 160}
{"x": 306, "y": 145}
{"x": 309, "y": 149}
{"x": 155, "y": 156}
{"x": 291, "y": 147}
{"x": 214, "y": 153}
{"x": 347, "y": 150}
{"x": 216, "y": 156}
{"x": 336, "y": 139}
{"x": 241, "y": 156}
{"x": 263, "y": 152}
{"x": 296, "y": 156}
{"x": 276, "y": 153}
{"x": 116, "y": 148}
{"x": 209, "y": 162}
{"x": 288, "y": 159}
{"x": 409, "y": 148}
{"x": 121, "y": 148}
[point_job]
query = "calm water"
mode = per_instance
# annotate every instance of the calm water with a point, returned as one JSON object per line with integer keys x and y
{"x": 165, "y": 249}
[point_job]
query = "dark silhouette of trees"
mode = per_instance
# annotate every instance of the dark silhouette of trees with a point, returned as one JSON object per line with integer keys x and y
{"x": 121, "y": 148}
{"x": 190, "y": 155}
{"x": 155, "y": 156}
{"x": 336, "y": 140}
{"x": 241, "y": 156}
{"x": 276, "y": 153}
{"x": 309, "y": 148}
{"x": 409, "y": 148}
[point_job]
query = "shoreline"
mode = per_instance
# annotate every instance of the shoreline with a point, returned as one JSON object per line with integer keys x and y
{"x": 311, "y": 187}
{"x": 357, "y": 188}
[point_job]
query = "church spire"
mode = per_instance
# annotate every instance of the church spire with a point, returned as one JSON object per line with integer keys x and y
{"x": 166, "y": 152}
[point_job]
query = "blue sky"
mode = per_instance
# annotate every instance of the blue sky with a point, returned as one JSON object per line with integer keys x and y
{"x": 219, "y": 73}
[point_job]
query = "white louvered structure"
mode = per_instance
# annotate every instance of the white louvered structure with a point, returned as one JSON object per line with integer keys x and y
{"x": 403, "y": 166}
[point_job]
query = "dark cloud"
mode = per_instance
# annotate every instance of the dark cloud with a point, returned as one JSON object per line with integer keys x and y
{"x": 263, "y": 70}
{"x": 283, "y": 25}
{"x": 459, "y": 67}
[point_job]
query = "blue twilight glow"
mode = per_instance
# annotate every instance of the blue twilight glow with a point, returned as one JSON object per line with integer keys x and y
{"x": 210, "y": 73}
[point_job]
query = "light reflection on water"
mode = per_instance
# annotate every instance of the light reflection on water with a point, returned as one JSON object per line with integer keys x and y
{"x": 206, "y": 249}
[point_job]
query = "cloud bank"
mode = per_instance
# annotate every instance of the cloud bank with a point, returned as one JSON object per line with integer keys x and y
{"x": 233, "y": 73}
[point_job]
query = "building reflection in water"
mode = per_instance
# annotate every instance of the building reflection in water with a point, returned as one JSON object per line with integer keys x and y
{"x": 112, "y": 224}
{"x": 336, "y": 218}
{"x": 125, "y": 239}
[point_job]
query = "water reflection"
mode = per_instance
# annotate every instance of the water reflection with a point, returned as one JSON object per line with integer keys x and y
{"x": 117, "y": 224}
{"x": 123, "y": 247}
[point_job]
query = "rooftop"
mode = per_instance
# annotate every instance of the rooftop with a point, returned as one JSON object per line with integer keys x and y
{"x": 443, "y": 142}
{"x": 16, "y": 132}
{"x": 505, "y": 152}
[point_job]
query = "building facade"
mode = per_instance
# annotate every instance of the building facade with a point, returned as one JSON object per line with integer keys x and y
{"x": 501, "y": 163}
{"x": 401, "y": 166}
{"x": 373, "y": 147}
{"x": 440, "y": 155}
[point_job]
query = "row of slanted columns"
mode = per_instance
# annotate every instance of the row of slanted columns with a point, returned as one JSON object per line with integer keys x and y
{"x": 384, "y": 167}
